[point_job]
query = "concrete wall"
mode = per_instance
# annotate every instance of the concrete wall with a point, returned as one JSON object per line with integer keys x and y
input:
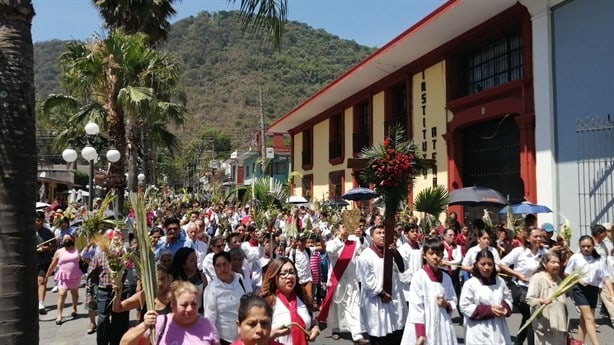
{"x": 583, "y": 52}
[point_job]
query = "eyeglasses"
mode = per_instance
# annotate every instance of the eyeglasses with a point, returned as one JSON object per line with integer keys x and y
{"x": 286, "y": 274}
{"x": 172, "y": 229}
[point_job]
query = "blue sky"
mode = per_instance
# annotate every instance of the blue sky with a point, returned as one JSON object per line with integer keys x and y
{"x": 368, "y": 22}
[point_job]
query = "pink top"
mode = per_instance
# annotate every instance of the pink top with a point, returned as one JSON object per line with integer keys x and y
{"x": 68, "y": 265}
{"x": 201, "y": 332}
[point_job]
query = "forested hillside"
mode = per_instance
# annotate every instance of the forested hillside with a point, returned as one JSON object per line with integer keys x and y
{"x": 224, "y": 70}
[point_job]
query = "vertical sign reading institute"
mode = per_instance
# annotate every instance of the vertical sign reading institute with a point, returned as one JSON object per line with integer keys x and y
{"x": 429, "y": 123}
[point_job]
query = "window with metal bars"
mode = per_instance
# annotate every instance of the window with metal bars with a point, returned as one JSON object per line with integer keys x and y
{"x": 494, "y": 64}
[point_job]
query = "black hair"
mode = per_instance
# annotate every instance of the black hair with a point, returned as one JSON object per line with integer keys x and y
{"x": 233, "y": 234}
{"x": 225, "y": 255}
{"x": 235, "y": 251}
{"x": 249, "y": 301}
{"x": 478, "y": 224}
{"x": 179, "y": 259}
{"x": 484, "y": 253}
{"x": 432, "y": 244}
{"x": 597, "y": 229}
{"x": 170, "y": 221}
{"x": 154, "y": 230}
{"x": 594, "y": 254}
{"x": 410, "y": 226}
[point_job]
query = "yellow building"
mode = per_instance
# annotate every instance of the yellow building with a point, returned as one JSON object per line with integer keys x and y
{"x": 460, "y": 72}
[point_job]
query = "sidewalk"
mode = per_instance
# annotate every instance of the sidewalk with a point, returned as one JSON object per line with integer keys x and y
{"x": 73, "y": 330}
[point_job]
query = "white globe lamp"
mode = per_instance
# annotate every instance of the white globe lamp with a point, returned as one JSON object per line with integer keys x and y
{"x": 69, "y": 155}
{"x": 92, "y": 128}
{"x": 89, "y": 153}
{"x": 113, "y": 155}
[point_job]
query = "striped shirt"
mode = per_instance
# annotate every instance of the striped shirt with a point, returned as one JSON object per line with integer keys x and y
{"x": 314, "y": 263}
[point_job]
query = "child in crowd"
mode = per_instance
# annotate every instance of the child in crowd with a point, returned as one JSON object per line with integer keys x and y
{"x": 485, "y": 302}
{"x": 431, "y": 302}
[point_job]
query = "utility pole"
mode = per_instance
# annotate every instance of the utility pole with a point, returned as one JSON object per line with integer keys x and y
{"x": 262, "y": 143}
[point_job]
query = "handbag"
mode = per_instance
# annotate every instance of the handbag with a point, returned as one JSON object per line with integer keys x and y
{"x": 83, "y": 266}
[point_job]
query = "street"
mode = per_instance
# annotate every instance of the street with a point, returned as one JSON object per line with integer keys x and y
{"x": 73, "y": 330}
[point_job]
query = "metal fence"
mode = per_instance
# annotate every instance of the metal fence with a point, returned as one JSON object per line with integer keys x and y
{"x": 595, "y": 137}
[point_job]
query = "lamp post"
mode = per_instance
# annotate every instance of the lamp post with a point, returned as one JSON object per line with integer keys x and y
{"x": 141, "y": 179}
{"x": 90, "y": 154}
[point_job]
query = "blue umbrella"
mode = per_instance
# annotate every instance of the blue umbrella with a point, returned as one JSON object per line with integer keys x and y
{"x": 358, "y": 194}
{"x": 527, "y": 208}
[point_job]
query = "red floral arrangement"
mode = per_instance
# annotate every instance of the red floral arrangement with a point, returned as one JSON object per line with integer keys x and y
{"x": 392, "y": 167}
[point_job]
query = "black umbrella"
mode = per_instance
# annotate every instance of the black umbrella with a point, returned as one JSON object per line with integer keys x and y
{"x": 477, "y": 196}
{"x": 336, "y": 203}
{"x": 359, "y": 194}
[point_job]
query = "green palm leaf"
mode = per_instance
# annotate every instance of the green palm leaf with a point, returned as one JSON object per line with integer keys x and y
{"x": 432, "y": 200}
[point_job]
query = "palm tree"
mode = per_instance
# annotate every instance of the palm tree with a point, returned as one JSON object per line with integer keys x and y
{"x": 18, "y": 302}
{"x": 150, "y": 17}
{"x": 18, "y": 163}
{"x": 122, "y": 82}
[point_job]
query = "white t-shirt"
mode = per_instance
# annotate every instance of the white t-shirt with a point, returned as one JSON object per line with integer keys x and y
{"x": 301, "y": 262}
{"x": 469, "y": 258}
{"x": 594, "y": 269}
{"x": 524, "y": 261}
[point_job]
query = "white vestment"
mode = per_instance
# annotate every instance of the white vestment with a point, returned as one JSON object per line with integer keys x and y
{"x": 344, "y": 313}
{"x": 379, "y": 318}
{"x": 423, "y": 309}
{"x": 492, "y": 331}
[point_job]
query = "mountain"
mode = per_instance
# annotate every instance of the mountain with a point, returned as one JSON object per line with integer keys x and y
{"x": 224, "y": 71}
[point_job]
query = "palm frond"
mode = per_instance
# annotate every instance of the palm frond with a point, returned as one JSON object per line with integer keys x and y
{"x": 432, "y": 200}
{"x": 264, "y": 16}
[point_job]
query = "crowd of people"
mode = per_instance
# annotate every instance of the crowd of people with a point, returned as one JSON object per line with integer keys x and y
{"x": 224, "y": 280}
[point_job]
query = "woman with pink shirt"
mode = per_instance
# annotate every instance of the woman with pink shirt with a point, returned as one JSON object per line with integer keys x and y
{"x": 182, "y": 326}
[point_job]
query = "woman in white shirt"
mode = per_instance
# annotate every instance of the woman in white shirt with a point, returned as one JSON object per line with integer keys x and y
{"x": 525, "y": 260}
{"x": 586, "y": 292}
{"x": 484, "y": 240}
{"x": 222, "y": 298}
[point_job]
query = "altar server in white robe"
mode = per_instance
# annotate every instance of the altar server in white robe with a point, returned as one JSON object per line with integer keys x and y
{"x": 341, "y": 307}
{"x": 485, "y": 302}
{"x": 411, "y": 251}
{"x": 432, "y": 300}
{"x": 383, "y": 314}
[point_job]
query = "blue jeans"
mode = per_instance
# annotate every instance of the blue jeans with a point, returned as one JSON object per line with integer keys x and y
{"x": 111, "y": 326}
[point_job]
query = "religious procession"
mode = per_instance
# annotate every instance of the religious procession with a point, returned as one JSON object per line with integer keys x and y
{"x": 239, "y": 272}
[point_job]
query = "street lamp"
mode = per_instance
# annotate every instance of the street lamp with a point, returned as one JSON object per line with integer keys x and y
{"x": 90, "y": 154}
{"x": 140, "y": 178}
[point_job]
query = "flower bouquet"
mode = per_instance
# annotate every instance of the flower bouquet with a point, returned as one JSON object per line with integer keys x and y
{"x": 391, "y": 167}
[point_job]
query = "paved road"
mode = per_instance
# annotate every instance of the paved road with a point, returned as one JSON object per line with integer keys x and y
{"x": 73, "y": 330}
